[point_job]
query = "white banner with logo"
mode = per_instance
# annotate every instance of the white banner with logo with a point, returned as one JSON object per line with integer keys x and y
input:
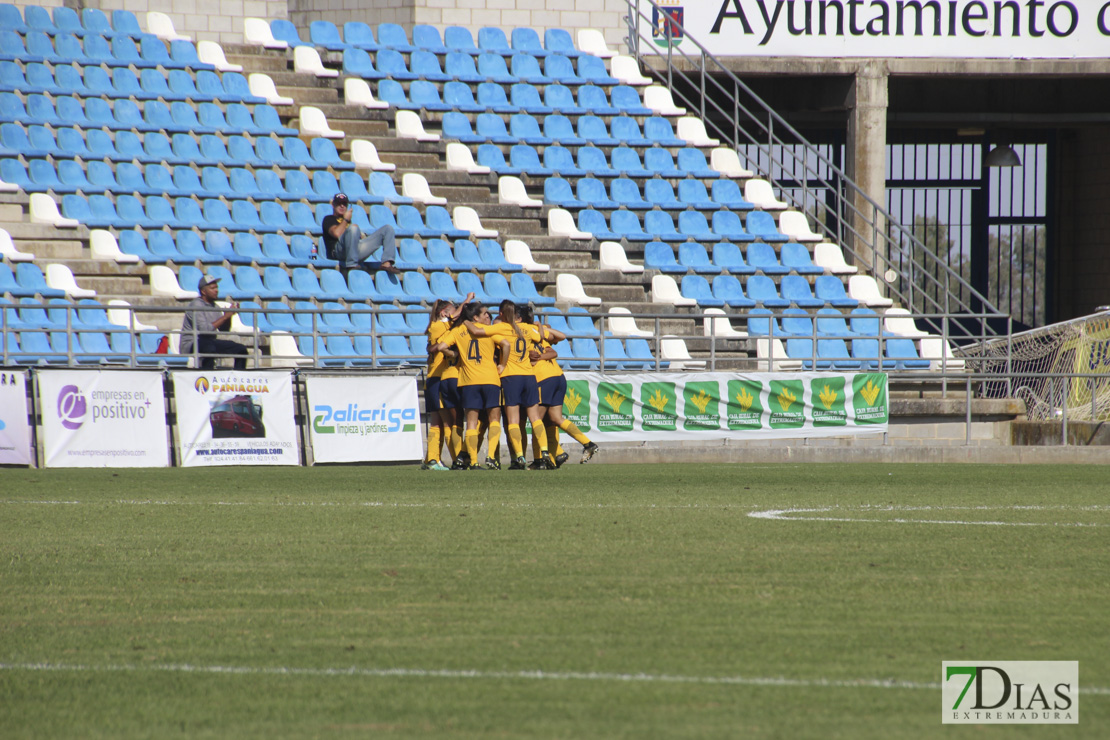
{"x": 15, "y": 432}
{"x": 369, "y": 419}
{"x": 955, "y": 29}
{"x": 103, "y": 419}
{"x": 659, "y": 406}
{"x": 235, "y": 417}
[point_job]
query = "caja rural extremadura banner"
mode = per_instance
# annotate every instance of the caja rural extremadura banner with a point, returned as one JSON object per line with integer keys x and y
{"x": 727, "y": 405}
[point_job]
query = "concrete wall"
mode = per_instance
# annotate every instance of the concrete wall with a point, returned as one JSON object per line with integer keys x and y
{"x": 1082, "y": 261}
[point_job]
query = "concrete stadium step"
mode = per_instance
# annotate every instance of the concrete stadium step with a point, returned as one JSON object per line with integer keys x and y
{"x": 304, "y": 95}
{"x": 53, "y": 250}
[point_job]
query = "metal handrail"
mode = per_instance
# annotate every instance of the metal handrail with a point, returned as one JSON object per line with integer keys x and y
{"x": 875, "y": 242}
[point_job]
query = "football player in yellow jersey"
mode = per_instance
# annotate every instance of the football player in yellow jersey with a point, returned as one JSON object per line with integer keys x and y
{"x": 518, "y": 381}
{"x": 441, "y": 388}
{"x": 553, "y": 386}
{"x": 479, "y": 382}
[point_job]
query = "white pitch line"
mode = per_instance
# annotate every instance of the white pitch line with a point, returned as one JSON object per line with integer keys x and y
{"x": 376, "y": 504}
{"x": 790, "y": 515}
{"x": 536, "y": 675}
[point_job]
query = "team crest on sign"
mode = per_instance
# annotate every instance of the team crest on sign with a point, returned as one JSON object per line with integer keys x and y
{"x": 667, "y": 20}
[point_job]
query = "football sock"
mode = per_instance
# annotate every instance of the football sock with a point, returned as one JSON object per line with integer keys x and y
{"x": 472, "y": 445}
{"x": 514, "y": 442}
{"x": 568, "y": 426}
{"x": 435, "y": 442}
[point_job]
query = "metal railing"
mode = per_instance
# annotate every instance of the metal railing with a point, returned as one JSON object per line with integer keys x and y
{"x": 811, "y": 181}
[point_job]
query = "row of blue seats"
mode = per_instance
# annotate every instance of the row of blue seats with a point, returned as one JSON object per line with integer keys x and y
{"x": 150, "y": 115}
{"x": 272, "y": 283}
{"x": 580, "y": 353}
{"x": 272, "y": 249}
{"x": 67, "y": 20}
{"x": 55, "y": 314}
{"x": 86, "y": 347}
{"x": 289, "y": 152}
{"x": 94, "y": 49}
{"x": 98, "y": 177}
{"x": 692, "y": 226}
{"x": 623, "y": 192}
{"x": 26, "y": 280}
{"x": 486, "y": 67}
{"x": 727, "y": 258}
{"x": 622, "y": 161}
{"x": 524, "y": 128}
{"x": 325, "y": 35}
{"x": 491, "y": 96}
{"x": 205, "y": 86}
{"x": 762, "y": 291}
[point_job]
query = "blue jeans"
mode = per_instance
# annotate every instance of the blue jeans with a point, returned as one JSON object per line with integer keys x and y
{"x": 357, "y": 249}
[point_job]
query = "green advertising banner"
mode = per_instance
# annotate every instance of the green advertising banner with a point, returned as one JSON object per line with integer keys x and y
{"x": 727, "y": 405}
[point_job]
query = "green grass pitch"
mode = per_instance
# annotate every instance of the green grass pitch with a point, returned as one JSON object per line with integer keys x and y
{"x": 664, "y": 601}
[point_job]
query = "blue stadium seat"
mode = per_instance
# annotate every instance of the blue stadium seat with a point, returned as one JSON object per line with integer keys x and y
{"x": 763, "y": 258}
{"x": 660, "y": 256}
{"x": 527, "y": 160}
{"x": 359, "y": 34}
{"x": 592, "y": 191}
{"x": 30, "y": 278}
{"x": 560, "y": 68}
{"x": 357, "y": 63}
{"x": 557, "y": 192}
{"x": 660, "y": 225}
{"x": 493, "y": 257}
{"x": 659, "y": 193}
{"x": 558, "y": 128}
{"x": 425, "y": 65}
{"x": 693, "y": 256}
{"x": 524, "y": 128}
{"x": 593, "y": 130}
{"x": 560, "y": 98}
{"x": 557, "y": 40}
{"x": 594, "y": 100}
{"x": 795, "y": 288}
{"x": 627, "y": 131}
{"x": 526, "y": 98}
{"x": 593, "y": 161}
{"x": 492, "y": 67}
{"x": 830, "y": 290}
{"x": 592, "y": 70}
{"x": 762, "y": 290}
{"x": 697, "y": 287}
{"x": 460, "y": 66}
{"x": 325, "y": 35}
{"x": 391, "y": 64}
{"x": 154, "y": 53}
{"x": 526, "y": 68}
{"x": 560, "y": 161}
{"x": 726, "y": 193}
{"x": 762, "y": 225}
{"x": 727, "y": 226}
{"x": 796, "y": 257}
{"x": 594, "y": 222}
{"x": 392, "y": 36}
{"x": 490, "y": 155}
{"x": 692, "y": 194}
{"x": 658, "y": 131}
{"x": 124, "y": 22}
{"x": 491, "y": 97}
{"x": 283, "y": 30}
{"x": 426, "y": 38}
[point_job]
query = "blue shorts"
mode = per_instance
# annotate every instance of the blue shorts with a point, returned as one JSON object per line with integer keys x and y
{"x": 431, "y": 395}
{"x": 519, "y": 390}
{"x": 552, "y": 390}
{"x": 449, "y": 393}
{"x": 481, "y": 397}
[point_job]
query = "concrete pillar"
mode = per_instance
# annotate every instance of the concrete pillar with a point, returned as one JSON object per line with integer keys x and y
{"x": 866, "y": 161}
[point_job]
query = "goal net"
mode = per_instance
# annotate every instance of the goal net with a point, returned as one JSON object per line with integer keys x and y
{"x": 1080, "y": 347}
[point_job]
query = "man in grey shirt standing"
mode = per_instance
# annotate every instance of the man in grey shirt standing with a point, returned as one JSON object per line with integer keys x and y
{"x": 202, "y": 321}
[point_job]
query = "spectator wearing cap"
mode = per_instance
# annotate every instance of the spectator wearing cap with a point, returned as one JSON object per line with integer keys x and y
{"x": 202, "y": 321}
{"x": 344, "y": 242}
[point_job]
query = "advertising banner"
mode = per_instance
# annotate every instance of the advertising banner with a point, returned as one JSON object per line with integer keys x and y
{"x": 103, "y": 419}
{"x": 15, "y": 432}
{"x": 364, "y": 419}
{"x": 646, "y": 407}
{"x": 235, "y": 417}
{"x": 955, "y": 29}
